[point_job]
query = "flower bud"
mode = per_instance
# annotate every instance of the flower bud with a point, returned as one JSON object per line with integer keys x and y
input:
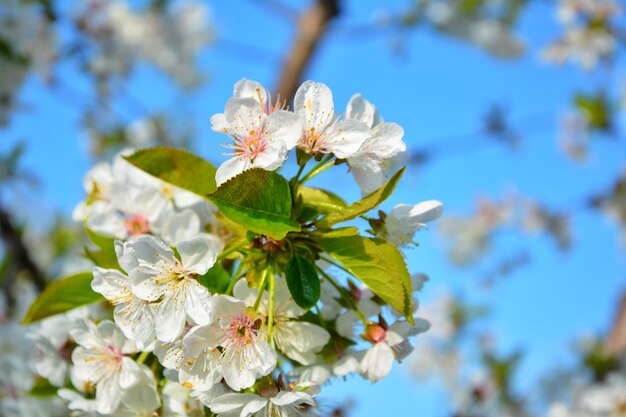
{"x": 375, "y": 333}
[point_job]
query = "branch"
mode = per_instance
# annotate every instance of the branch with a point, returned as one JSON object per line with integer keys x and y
{"x": 617, "y": 333}
{"x": 312, "y": 26}
{"x": 16, "y": 250}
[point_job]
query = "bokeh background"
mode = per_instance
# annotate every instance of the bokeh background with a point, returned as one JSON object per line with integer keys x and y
{"x": 513, "y": 117}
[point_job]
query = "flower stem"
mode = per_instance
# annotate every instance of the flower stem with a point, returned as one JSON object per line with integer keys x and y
{"x": 297, "y": 177}
{"x": 321, "y": 166}
{"x": 343, "y": 296}
{"x": 261, "y": 290}
{"x": 320, "y": 318}
{"x": 142, "y": 357}
{"x": 230, "y": 250}
{"x": 270, "y": 314}
{"x": 234, "y": 279}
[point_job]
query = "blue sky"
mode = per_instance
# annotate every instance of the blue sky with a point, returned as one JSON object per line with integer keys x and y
{"x": 439, "y": 88}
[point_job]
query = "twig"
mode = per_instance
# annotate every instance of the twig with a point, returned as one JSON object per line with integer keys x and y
{"x": 617, "y": 334}
{"x": 312, "y": 26}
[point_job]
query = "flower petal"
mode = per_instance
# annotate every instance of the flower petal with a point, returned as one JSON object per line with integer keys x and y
{"x": 284, "y": 126}
{"x": 231, "y": 168}
{"x": 314, "y": 103}
{"x": 170, "y": 317}
{"x": 197, "y": 254}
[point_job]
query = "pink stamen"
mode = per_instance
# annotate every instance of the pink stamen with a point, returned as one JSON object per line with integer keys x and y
{"x": 267, "y": 106}
{"x": 250, "y": 146}
{"x": 136, "y": 225}
{"x": 311, "y": 142}
{"x": 242, "y": 330}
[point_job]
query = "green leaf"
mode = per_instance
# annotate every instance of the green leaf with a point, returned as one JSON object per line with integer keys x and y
{"x": 216, "y": 279}
{"x": 597, "y": 109}
{"x": 105, "y": 257}
{"x": 101, "y": 241}
{"x": 43, "y": 388}
{"x": 102, "y": 258}
{"x": 342, "y": 231}
{"x": 362, "y": 206}
{"x": 303, "y": 282}
{"x": 259, "y": 200}
{"x": 63, "y": 295}
{"x": 321, "y": 201}
{"x": 177, "y": 167}
{"x": 378, "y": 264}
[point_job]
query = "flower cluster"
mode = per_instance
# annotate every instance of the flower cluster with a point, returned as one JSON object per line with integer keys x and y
{"x": 590, "y": 35}
{"x": 484, "y": 24}
{"x": 170, "y": 38}
{"x": 604, "y": 399}
{"x": 263, "y": 132}
{"x": 230, "y": 289}
{"x": 28, "y": 42}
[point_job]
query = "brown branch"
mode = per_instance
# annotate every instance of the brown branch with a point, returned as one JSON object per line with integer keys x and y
{"x": 16, "y": 250}
{"x": 617, "y": 334}
{"x": 312, "y": 26}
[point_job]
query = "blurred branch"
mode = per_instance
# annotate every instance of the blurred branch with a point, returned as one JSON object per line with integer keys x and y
{"x": 312, "y": 26}
{"x": 16, "y": 250}
{"x": 617, "y": 333}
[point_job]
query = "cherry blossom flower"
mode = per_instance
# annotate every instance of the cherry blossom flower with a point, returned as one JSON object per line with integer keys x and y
{"x": 51, "y": 344}
{"x": 298, "y": 340}
{"x": 132, "y": 211}
{"x": 101, "y": 359}
{"x": 245, "y": 352}
{"x": 323, "y": 131}
{"x": 385, "y": 141}
{"x": 133, "y": 315}
{"x": 404, "y": 220}
{"x": 157, "y": 275}
{"x": 389, "y": 344}
{"x": 286, "y": 403}
{"x": 259, "y": 139}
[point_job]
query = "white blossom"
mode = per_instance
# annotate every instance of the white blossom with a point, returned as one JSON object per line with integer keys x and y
{"x": 323, "y": 130}
{"x": 283, "y": 404}
{"x": 245, "y": 352}
{"x": 158, "y": 276}
{"x": 261, "y": 136}
{"x": 404, "y": 220}
{"x": 101, "y": 358}
{"x": 133, "y": 315}
{"x": 384, "y": 142}
{"x": 298, "y": 340}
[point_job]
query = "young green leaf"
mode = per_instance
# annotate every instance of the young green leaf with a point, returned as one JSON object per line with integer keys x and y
{"x": 303, "y": 282}
{"x": 43, "y": 388}
{"x": 101, "y": 241}
{"x": 259, "y": 200}
{"x": 104, "y": 256}
{"x": 322, "y": 201}
{"x": 363, "y": 205}
{"x": 177, "y": 167}
{"x": 63, "y": 295}
{"x": 378, "y": 264}
{"x": 216, "y": 279}
{"x": 341, "y": 232}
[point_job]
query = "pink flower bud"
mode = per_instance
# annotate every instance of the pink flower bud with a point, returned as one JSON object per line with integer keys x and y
{"x": 375, "y": 332}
